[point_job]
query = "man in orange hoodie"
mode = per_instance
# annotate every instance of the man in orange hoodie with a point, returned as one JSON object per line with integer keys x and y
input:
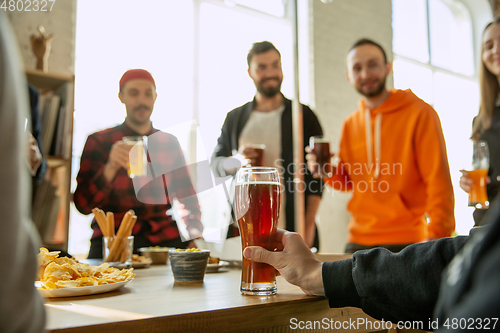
{"x": 393, "y": 158}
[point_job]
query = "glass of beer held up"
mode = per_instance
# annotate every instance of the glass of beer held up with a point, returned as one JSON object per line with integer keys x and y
{"x": 137, "y": 165}
{"x": 480, "y": 164}
{"x": 320, "y": 146}
{"x": 257, "y": 206}
{"x": 259, "y": 149}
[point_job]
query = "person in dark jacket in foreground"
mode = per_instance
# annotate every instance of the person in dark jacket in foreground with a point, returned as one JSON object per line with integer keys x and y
{"x": 21, "y": 306}
{"x": 448, "y": 284}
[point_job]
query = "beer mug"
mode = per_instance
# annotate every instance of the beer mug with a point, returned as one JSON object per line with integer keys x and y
{"x": 137, "y": 165}
{"x": 480, "y": 164}
{"x": 257, "y": 206}
{"x": 320, "y": 146}
{"x": 259, "y": 149}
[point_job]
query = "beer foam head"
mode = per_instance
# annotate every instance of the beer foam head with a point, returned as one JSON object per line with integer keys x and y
{"x": 255, "y": 182}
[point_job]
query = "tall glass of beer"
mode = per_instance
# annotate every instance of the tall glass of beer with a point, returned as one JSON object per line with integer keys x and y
{"x": 259, "y": 149}
{"x": 320, "y": 146}
{"x": 480, "y": 164}
{"x": 137, "y": 165}
{"x": 257, "y": 206}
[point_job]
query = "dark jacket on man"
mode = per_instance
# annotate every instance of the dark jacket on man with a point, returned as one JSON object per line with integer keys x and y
{"x": 451, "y": 284}
{"x": 227, "y": 145}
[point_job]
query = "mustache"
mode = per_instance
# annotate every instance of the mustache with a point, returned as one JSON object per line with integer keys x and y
{"x": 142, "y": 106}
{"x": 271, "y": 78}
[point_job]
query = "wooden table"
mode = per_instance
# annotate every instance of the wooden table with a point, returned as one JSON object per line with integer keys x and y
{"x": 153, "y": 303}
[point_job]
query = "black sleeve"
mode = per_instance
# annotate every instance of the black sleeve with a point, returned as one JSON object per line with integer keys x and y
{"x": 392, "y": 286}
{"x": 469, "y": 297}
{"x": 223, "y": 148}
{"x": 36, "y": 124}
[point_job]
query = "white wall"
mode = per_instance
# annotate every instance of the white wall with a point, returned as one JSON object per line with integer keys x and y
{"x": 335, "y": 27}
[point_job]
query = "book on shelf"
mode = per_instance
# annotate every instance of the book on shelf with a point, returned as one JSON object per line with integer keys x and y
{"x": 37, "y": 211}
{"x": 45, "y": 209}
{"x": 49, "y": 120}
{"x": 56, "y": 124}
{"x": 47, "y": 233}
{"x": 58, "y": 141}
{"x": 49, "y": 213}
{"x": 42, "y": 101}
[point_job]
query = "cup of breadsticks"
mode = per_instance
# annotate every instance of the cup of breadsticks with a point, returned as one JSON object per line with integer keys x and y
{"x": 117, "y": 248}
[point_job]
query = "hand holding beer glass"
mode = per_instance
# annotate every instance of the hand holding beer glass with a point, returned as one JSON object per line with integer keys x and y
{"x": 137, "y": 164}
{"x": 475, "y": 180}
{"x": 257, "y": 205}
{"x": 319, "y": 156}
{"x": 255, "y": 153}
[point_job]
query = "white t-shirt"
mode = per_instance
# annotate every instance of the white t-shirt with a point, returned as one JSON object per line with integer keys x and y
{"x": 265, "y": 128}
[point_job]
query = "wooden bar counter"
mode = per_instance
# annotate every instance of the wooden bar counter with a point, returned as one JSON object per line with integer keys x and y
{"x": 153, "y": 303}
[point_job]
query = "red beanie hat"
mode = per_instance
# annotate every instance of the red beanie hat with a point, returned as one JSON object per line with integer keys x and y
{"x": 133, "y": 74}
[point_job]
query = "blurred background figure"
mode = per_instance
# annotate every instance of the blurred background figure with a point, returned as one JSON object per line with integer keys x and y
{"x": 486, "y": 125}
{"x": 104, "y": 182}
{"x": 267, "y": 120}
{"x": 393, "y": 158}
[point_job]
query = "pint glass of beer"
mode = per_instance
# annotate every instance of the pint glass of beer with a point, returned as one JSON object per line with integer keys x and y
{"x": 480, "y": 164}
{"x": 257, "y": 206}
{"x": 321, "y": 148}
{"x": 259, "y": 149}
{"x": 137, "y": 165}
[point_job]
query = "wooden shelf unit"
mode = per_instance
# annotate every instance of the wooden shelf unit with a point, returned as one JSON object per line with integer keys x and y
{"x": 58, "y": 167}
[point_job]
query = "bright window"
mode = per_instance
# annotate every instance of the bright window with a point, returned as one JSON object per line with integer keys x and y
{"x": 433, "y": 56}
{"x": 196, "y": 51}
{"x": 409, "y": 23}
{"x": 451, "y": 37}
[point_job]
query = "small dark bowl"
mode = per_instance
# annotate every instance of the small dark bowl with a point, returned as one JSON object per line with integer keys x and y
{"x": 189, "y": 266}
{"x": 158, "y": 255}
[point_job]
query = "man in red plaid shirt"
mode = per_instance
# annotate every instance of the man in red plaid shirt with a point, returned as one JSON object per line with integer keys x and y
{"x": 103, "y": 181}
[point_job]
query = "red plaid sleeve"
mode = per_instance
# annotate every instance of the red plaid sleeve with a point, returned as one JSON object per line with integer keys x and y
{"x": 150, "y": 196}
{"x": 92, "y": 188}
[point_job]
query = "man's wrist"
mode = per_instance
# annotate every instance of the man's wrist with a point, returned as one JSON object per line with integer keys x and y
{"x": 109, "y": 172}
{"x": 315, "y": 281}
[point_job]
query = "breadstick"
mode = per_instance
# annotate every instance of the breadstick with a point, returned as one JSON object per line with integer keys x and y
{"x": 124, "y": 249}
{"x": 125, "y": 221}
{"x": 100, "y": 222}
{"x": 110, "y": 218}
{"x": 120, "y": 234}
{"x": 132, "y": 223}
{"x": 102, "y": 216}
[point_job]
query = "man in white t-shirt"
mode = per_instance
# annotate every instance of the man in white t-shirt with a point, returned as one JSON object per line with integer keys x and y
{"x": 268, "y": 120}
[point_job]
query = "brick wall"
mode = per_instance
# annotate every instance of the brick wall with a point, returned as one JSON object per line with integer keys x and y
{"x": 334, "y": 28}
{"x": 61, "y": 21}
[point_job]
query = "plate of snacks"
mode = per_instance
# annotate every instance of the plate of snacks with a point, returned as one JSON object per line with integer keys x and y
{"x": 66, "y": 277}
{"x": 140, "y": 261}
{"x": 80, "y": 291}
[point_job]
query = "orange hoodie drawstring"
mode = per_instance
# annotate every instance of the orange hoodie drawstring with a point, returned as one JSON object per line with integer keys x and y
{"x": 378, "y": 143}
